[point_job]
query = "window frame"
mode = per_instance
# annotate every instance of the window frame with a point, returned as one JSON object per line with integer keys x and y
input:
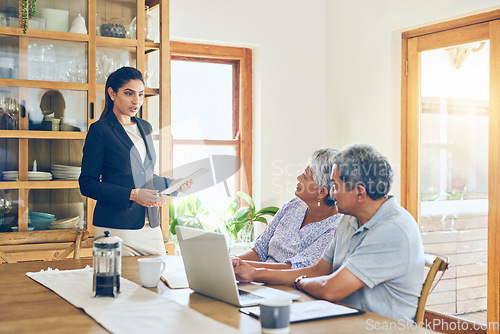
{"x": 241, "y": 60}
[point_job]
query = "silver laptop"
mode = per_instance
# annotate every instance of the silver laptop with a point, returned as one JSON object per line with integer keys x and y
{"x": 210, "y": 272}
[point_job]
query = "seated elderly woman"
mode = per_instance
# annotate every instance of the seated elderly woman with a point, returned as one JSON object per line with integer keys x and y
{"x": 304, "y": 226}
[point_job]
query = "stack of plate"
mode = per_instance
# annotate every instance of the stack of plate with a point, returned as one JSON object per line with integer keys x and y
{"x": 15, "y": 228}
{"x": 66, "y": 172}
{"x": 32, "y": 176}
{"x": 63, "y": 224}
{"x": 40, "y": 220}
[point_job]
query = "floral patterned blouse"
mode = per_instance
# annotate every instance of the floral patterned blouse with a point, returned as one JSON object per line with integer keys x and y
{"x": 283, "y": 241}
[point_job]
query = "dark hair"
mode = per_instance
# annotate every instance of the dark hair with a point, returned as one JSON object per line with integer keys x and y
{"x": 363, "y": 165}
{"x": 117, "y": 80}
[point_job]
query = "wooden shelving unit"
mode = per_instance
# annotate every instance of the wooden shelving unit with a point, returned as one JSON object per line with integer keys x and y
{"x": 20, "y": 147}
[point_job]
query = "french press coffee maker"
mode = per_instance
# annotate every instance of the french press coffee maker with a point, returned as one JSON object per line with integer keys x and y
{"x": 107, "y": 265}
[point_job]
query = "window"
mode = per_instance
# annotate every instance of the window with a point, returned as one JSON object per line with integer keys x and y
{"x": 211, "y": 120}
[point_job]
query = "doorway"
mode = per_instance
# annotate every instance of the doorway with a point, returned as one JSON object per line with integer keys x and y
{"x": 450, "y": 166}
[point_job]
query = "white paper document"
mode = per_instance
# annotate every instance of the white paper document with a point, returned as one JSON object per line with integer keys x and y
{"x": 305, "y": 311}
{"x": 192, "y": 176}
{"x": 175, "y": 274}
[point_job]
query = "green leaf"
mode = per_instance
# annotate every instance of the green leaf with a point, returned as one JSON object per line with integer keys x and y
{"x": 233, "y": 207}
{"x": 198, "y": 205}
{"x": 203, "y": 211}
{"x": 234, "y": 233}
{"x": 270, "y": 210}
{"x": 187, "y": 221}
{"x": 247, "y": 198}
{"x": 172, "y": 226}
{"x": 261, "y": 219}
{"x": 237, "y": 226}
{"x": 181, "y": 208}
{"x": 243, "y": 213}
{"x": 171, "y": 212}
{"x": 190, "y": 205}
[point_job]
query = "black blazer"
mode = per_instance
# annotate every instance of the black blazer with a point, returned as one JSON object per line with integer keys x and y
{"x": 112, "y": 167}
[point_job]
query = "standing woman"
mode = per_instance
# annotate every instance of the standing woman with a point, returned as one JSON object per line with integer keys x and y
{"x": 117, "y": 169}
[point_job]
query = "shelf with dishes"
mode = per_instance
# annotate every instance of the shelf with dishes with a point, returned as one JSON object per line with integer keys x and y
{"x": 52, "y": 184}
{"x": 57, "y": 172}
{"x": 31, "y": 83}
{"x": 57, "y": 35}
{"x": 56, "y": 64}
{"x": 40, "y": 162}
{"x": 41, "y": 209}
{"x": 39, "y": 221}
{"x": 30, "y": 134}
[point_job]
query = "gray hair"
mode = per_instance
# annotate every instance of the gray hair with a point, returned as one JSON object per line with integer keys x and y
{"x": 321, "y": 165}
{"x": 362, "y": 164}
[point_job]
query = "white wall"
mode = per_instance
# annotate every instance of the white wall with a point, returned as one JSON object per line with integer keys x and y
{"x": 363, "y": 81}
{"x": 326, "y": 72}
{"x": 288, "y": 38}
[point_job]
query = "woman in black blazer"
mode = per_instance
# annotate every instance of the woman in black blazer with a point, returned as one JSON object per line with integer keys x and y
{"x": 117, "y": 169}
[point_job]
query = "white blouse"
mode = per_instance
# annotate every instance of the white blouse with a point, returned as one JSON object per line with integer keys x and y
{"x": 135, "y": 135}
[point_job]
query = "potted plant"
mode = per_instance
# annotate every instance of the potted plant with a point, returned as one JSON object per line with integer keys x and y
{"x": 239, "y": 221}
{"x": 188, "y": 213}
{"x": 28, "y": 10}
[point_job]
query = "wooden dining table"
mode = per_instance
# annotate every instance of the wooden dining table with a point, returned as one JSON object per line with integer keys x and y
{"x": 27, "y": 306}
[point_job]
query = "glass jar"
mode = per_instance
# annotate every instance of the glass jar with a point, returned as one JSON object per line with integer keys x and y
{"x": 152, "y": 28}
{"x": 114, "y": 27}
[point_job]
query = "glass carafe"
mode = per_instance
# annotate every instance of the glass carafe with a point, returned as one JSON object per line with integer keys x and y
{"x": 107, "y": 265}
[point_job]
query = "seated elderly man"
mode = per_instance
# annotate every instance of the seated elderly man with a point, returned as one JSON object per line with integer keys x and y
{"x": 375, "y": 261}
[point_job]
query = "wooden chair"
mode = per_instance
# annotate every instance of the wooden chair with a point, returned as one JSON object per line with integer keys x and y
{"x": 436, "y": 264}
{"x": 13, "y": 241}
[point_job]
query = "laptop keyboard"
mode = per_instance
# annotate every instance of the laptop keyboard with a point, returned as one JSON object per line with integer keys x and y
{"x": 244, "y": 296}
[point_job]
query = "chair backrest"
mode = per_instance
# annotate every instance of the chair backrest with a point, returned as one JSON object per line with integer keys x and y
{"x": 75, "y": 236}
{"x": 436, "y": 264}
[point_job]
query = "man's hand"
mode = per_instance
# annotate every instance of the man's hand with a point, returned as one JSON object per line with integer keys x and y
{"x": 242, "y": 271}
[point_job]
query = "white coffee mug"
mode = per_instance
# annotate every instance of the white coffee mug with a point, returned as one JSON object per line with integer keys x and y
{"x": 275, "y": 316}
{"x": 151, "y": 269}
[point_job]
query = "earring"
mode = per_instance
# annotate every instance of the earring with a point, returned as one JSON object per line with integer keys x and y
{"x": 319, "y": 202}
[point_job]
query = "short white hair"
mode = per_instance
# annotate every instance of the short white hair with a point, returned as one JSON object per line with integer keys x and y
{"x": 321, "y": 165}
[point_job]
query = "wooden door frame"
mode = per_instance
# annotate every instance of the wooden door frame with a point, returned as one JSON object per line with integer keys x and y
{"x": 464, "y": 30}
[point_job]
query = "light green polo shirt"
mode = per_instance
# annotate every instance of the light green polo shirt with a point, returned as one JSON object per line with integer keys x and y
{"x": 386, "y": 254}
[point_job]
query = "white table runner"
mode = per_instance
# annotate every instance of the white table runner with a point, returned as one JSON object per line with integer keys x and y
{"x": 135, "y": 310}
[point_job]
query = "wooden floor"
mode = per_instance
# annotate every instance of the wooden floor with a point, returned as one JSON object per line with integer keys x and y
{"x": 478, "y": 317}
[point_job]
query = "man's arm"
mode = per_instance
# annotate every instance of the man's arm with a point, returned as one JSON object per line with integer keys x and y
{"x": 333, "y": 287}
{"x": 246, "y": 273}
